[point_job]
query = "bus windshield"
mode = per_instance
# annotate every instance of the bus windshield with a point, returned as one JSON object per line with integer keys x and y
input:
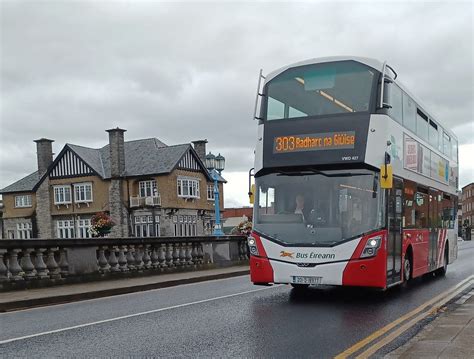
{"x": 318, "y": 207}
{"x": 320, "y": 89}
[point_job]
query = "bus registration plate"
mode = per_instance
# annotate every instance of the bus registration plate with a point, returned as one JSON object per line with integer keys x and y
{"x": 299, "y": 279}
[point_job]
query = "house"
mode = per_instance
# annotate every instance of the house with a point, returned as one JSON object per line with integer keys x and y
{"x": 1, "y": 218}
{"x": 234, "y": 216}
{"x": 149, "y": 189}
{"x": 467, "y": 218}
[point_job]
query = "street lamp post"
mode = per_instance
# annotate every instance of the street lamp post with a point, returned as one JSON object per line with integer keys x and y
{"x": 216, "y": 164}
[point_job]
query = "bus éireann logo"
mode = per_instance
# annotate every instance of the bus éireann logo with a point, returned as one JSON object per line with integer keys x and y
{"x": 286, "y": 254}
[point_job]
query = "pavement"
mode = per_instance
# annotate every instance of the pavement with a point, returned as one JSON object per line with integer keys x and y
{"x": 28, "y": 298}
{"x": 450, "y": 335}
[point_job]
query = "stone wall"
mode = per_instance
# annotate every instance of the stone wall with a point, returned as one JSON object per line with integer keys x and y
{"x": 118, "y": 212}
{"x": 200, "y": 148}
{"x": 117, "y": 208}
{"x": 10, "y": 224}
{"x": 43, "y": 211}
{"x": 44, "y": 154}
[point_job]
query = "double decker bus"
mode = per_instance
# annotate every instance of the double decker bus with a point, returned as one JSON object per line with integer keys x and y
{"x": 355, "y": 180}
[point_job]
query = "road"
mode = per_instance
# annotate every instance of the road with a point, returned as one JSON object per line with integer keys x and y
{"x": 221, "y": 318}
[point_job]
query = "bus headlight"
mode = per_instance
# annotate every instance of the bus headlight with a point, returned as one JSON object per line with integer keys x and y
{"x": 371, "y": 247}
{"x": 252, "y": 246}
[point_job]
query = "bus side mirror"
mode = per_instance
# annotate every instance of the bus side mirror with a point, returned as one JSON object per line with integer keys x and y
{"x": 386, "y": 176}
{"x": 252, "y": 194}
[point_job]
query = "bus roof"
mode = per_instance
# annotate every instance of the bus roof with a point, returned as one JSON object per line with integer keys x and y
{"x": 374, "y": 63}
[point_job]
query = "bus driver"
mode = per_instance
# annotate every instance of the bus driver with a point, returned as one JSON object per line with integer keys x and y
{"x": 299, "y": 204}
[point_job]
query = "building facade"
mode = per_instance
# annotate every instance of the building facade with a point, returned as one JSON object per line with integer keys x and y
{"x": 148, "y": 188}
{"x": 468, "y": 205}
{"x": 234, "y": 216}
{"x": 460, "y": 214}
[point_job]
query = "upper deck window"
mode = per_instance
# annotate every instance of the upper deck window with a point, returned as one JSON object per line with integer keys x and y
{"x": 421, "y": 125}
{"x": 320, "y": 89}
{"x": 433, "y": 134}
{"x": 409, "y": 113}
{"x": 396, "y": 101}
{"x": 447, "y": 147}
{"x": 454, "y": 152}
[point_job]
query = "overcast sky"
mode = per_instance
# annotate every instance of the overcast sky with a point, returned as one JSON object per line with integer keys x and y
{"x": 186, "y": 71}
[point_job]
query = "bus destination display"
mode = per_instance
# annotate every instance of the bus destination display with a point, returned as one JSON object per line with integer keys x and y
{"x": 314, "y": 142}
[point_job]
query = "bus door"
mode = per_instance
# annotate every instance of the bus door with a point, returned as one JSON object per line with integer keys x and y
{"x": 433, "y": 229}
{"x": 394, "y": 239}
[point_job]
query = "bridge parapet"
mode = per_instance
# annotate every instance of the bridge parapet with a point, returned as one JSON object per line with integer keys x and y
{"x": 45, "y": 262}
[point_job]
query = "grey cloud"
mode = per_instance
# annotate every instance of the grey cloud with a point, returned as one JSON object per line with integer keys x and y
{"x": 179, "y": 72}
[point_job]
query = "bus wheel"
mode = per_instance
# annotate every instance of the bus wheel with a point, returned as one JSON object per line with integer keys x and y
{"x": 442, "y": 271}
{"x": 300, "y": 286}
{"x": 407, "y": 273}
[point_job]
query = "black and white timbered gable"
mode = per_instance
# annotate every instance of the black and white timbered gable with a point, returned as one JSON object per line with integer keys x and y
{"x": 69, "y": 164}
{"x": 189, "y": 162}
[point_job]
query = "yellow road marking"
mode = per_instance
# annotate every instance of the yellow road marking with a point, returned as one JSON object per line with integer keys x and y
{"x": 359, "y": 345}
{"x": 396, "y": 333}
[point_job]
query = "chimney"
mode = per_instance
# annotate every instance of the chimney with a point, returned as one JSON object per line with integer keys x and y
{"x": 200, "y": 148}
{"x": 117, "y": 152}
{"x": 44, "y": 154}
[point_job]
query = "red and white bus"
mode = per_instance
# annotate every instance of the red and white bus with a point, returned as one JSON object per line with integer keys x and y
{"x": 355, "y": 180}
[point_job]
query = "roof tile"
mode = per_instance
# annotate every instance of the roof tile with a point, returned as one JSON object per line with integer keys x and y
{"x": 26, "y": 184}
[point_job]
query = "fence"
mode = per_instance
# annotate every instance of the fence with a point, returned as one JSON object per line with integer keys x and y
{"x": 42, "y": 262}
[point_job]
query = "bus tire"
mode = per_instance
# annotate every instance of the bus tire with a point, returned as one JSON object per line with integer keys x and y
{"x": 442, "y": 271}
{"x": 407, "y": 268}
{"x": 299, "y": 286}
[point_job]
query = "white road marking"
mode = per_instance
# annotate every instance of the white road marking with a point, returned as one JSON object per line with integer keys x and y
{"x": 134, "y": 315}
{"x": 111, "y": 297}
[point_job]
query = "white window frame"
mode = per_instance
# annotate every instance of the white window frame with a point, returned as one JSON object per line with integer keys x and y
{"x": 210, "y": 192}
{"x": 191, "y": 226}
{"x": 77, "y": 190}
{"x": 147, "y": 188}
{"x": 188, "y": 187}
{"x": 185, "y": 226}
{"x": 143, "y": 225}
{"x": 65, "y": 228}
{"x": 177, "y": 228}
{"x": 83, "y": 226}
{"x": 23, "y": 201}
{"x": 60, "y": 191}
{"x": 24, "y": 230}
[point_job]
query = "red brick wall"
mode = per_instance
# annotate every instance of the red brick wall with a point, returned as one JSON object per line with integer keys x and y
{"x": 238, "y": 212}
